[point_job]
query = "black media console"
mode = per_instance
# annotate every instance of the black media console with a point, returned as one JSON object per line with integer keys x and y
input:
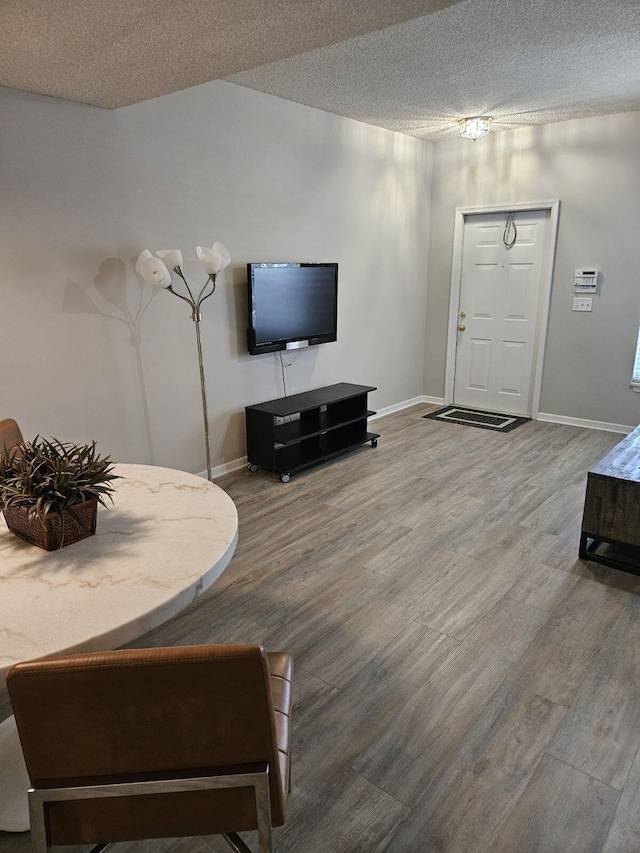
{"x": 293, "y": 433}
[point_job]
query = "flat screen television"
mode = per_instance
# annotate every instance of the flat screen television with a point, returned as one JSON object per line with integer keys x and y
{"x": 291, "y": 305}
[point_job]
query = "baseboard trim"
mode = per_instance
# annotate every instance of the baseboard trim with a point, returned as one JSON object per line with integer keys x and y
{"x": 582, "y": 422}
{"x": 405, "y": 404}
{"x": 227, "y": 468}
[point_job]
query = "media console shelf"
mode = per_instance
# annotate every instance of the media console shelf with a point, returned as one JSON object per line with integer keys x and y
{"x": 296, "y": 432}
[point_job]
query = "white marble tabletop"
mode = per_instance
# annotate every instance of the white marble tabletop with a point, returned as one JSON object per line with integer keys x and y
{"x": 165, "y": 540}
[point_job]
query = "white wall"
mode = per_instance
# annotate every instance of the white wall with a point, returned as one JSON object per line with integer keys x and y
{"x": 89, "y": 351}
{"x": 593, "y": 167}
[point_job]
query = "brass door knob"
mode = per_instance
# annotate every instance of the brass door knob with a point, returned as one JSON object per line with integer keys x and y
{"x": 461, "y": 328}
{"x": 463, "y": 314}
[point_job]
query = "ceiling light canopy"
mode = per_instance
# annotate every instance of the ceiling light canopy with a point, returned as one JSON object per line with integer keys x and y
{"x": 475, "y": 127}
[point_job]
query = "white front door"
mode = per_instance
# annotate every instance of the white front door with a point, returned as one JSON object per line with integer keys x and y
{"x": 498, "y": 311}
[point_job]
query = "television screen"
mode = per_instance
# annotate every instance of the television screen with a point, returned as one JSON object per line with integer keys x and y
{"x": 290, "y": 304}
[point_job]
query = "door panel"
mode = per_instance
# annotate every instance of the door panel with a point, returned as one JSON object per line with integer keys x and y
{"x": 488, "y": 235}
{"x": 527, "y": 233}
{"x": 499, "y": 296}
{"x": 483, "y": 291}
{"x": 479, "y": 364}
{"x": 518, "y": 292}
{"x": 513, "y": 367}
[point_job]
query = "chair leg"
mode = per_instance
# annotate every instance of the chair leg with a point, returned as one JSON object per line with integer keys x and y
{"x": 263, "y": 813}
{"x": 263, "y": 810}
{"x": 236, "y": 843}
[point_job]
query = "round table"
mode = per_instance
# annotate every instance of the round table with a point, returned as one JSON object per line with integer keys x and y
{"x": 168, "y": 536}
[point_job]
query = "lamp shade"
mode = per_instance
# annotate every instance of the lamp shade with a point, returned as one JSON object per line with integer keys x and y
{"x": 475, "y": 127}
{"x": 210, "y": 261}
{"x": 144, "y": 254}
{"x": 224, "y": 254}
{"x": 171, "y": 257}
{"x": 154, "y": 271}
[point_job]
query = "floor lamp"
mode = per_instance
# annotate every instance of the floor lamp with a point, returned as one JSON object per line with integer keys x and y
{"x": 155, "y": 270}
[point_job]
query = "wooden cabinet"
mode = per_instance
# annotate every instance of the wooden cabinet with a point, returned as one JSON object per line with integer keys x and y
{"x": 611, "y": 519}
{"x": 296, "y": 432}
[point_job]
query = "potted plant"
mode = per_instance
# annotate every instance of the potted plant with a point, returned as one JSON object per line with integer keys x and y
{"x": 50, "y": 490}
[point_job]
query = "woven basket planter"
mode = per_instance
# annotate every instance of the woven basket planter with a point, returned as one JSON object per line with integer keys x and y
{"x": 51, "y": 533}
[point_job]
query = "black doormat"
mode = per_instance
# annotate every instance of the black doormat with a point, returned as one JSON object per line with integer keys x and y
{"x": 472, "y": 417}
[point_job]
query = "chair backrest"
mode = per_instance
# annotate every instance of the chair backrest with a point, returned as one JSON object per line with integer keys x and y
{"x": 132, "y": 713}
{"x": 10, "y": 435}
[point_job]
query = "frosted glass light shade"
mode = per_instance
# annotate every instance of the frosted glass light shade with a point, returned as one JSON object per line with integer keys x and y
{"x": 224, "y": 254}
{"x": 171, "y": 257}
{"x": 154, "y": 271}
{"x": 474, "y": 128}
{"x": 144, "y": 254}
{"x": 210, "y": 261}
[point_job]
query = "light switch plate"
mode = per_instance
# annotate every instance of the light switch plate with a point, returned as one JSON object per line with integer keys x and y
{"x": 582, "y": 303}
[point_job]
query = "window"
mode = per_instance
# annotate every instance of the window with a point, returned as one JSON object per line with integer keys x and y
{"x": 635, "y": 379}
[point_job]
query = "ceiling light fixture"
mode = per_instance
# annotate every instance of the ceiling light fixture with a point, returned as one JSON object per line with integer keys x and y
{"x": 475, "y": 127}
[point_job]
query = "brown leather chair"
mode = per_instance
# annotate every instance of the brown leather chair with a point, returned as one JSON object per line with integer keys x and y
{"x": 10, "y": 435}
{"x": 155, "y": 743}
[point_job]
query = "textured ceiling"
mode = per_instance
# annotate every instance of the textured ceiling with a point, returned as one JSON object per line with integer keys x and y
{"x": 523, "y": 63}
{"x": 414, "y": 66}
{"x": 112, "y": 53}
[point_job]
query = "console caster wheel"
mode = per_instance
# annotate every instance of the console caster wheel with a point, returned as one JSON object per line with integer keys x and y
{"x": 374, "y": 442}
{"x": 252, "y": 468}
{"x": 284, "y": 478}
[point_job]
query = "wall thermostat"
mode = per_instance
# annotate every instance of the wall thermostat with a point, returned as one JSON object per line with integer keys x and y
{"x": 585, "y": 281}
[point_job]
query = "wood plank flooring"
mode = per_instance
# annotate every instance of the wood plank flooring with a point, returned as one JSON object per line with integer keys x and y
{"x": 464, "y": 684}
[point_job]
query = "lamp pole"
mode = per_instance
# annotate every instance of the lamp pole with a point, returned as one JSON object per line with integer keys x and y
{"x": 196, "y": 316}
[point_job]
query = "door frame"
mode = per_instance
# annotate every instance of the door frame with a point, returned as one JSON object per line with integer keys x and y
{"x": 542, "y": 316}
